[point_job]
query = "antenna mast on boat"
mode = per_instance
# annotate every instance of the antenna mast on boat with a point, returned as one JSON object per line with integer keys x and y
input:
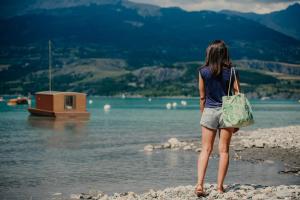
{"x": 50, "y": 75}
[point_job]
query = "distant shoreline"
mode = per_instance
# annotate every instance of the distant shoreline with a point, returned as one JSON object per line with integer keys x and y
{"x": 162, "y": 97}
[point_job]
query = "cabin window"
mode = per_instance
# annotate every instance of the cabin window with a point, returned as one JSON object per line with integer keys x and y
{"x": 69, "y": 102}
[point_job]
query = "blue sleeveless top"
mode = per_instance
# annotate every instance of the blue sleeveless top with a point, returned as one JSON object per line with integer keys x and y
{"x": 216, "y": 86}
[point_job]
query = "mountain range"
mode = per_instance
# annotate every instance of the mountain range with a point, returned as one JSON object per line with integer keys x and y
{"x": 284, "y": 21}
{"x": 112, "y": 43}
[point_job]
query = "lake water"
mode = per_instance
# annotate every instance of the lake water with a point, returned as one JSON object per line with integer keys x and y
{"x": 40, "y": 157}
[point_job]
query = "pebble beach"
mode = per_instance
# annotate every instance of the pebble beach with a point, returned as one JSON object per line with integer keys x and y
{"x": 232, "y": 191}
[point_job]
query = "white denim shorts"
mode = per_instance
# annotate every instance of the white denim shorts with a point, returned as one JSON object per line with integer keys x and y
{"x": 212, "y": 118}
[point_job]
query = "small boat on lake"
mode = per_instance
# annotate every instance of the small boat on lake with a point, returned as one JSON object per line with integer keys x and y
{"x": 60, "y": 104}
{"x": 18, "y": 101}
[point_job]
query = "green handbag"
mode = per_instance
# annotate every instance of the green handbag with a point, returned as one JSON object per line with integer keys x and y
{"x": 236, "y": 109}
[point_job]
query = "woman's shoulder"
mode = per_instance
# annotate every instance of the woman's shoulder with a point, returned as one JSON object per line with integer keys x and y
{"x": 204, "y": 70}
{"x": 207, "y": 69}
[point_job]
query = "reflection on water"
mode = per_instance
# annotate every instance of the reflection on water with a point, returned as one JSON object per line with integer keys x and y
{"x": 58, "y": 124}
{"x": 70, "y": 131}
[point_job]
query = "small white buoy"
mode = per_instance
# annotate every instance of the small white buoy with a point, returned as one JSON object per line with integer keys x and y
{"x": 184, "y": 103}
{"x": 106, "y": 107}
{"x": 174, "y": 104}
{"x": 264, "y": 98}
{"x": 123, "y": 96}
{"x": 90, "y": 101}
{"x": 149, "y": 99}
{"x": 168, "y": 106}
{"x": 29, "y": 102}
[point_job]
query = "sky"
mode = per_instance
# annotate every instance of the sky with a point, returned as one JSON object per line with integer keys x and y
{"x": 257, "y": 6}
{"x": 12, "y": 7}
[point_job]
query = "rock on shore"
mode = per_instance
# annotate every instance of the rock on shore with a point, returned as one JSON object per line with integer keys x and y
{"x": 282, "y": 137}
{"x": 280, "y": 144}
{"x": 174, "y": 144}
{"x": 232, "y": 191}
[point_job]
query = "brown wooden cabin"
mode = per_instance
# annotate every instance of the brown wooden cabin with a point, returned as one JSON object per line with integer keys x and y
{"x": 60, "y": 104}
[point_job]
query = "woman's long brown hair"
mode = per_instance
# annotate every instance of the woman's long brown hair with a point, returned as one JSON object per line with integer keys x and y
{"x": 217, "y": 56}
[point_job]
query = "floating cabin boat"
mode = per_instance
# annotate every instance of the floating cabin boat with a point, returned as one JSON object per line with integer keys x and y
{"x": 60, "y": 104}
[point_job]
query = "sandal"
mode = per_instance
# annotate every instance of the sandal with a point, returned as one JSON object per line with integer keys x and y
{"x": 199, "y": 191}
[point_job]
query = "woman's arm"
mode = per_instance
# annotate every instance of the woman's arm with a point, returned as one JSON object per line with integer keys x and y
{"x": 202, "y": 93}
{"x": 236, "y": 85}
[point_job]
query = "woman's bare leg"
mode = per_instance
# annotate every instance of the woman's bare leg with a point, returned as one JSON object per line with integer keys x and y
{"x": 224, "y": 142}
{"x": 208, "y": 138}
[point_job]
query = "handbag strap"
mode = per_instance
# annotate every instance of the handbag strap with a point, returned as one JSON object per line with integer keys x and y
{"x": 238, "y": 89}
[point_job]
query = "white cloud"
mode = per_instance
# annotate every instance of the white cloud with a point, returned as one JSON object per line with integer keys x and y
{"x": 258, "y": 6}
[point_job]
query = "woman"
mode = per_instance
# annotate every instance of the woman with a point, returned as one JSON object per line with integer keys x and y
{"x": 214, "y": 79}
